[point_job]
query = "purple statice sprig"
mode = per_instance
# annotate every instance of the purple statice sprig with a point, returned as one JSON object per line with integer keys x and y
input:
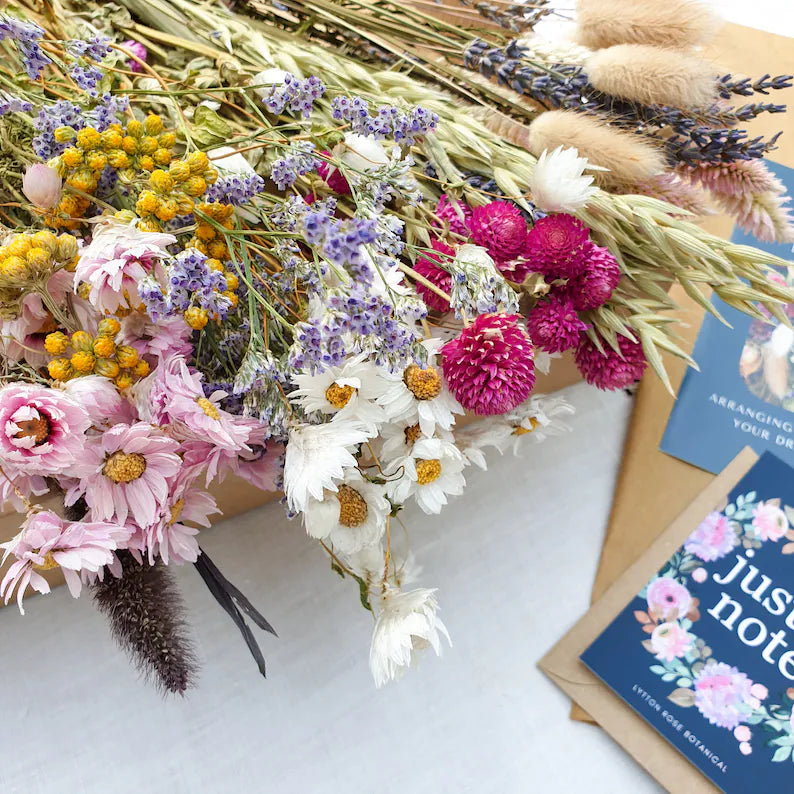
{"x": 26, "y": 36}
{"x": 189, "y": 282}
{"x": 295, "y": 95}
{"x": 13, "y": 104}
{"x": 389, "y": 121}
{"x": 298, "y": 160}
{"x": 236, "y": 188}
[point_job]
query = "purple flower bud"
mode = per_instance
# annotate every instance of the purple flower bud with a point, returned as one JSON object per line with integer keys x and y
{"x": 42, "y": 186}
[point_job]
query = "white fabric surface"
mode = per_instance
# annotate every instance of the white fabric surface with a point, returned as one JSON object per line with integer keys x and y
{"x": 513, "y": 560}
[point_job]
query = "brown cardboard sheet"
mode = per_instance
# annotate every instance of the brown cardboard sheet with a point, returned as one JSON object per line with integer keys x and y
{"x": 649, "y": 748}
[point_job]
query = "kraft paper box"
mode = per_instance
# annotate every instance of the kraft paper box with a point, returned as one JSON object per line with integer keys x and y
{"x": 562, "y": 664}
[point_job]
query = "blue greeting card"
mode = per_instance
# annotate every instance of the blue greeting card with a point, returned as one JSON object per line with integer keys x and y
{"x": 705, "y": 651}
{"x": 744, "y": 391}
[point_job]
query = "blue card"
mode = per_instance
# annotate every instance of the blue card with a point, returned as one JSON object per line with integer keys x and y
{"x": 705, "y": 652}
{"x": 744, "y": 392}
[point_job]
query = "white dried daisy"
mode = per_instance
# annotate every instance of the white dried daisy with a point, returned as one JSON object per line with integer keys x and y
{"x": 316, "y": 458}
{"x": 352, "y": 517}
{"x": 407, "y": 623}
{"x": 432, "y": 471}
{"x": 558, "y": 183}
{"x": 349, "y": 392}
{"x": 421, "y": 395}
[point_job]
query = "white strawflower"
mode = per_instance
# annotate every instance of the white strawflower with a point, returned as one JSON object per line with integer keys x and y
{"x": 267, "y": 79}
{"x": 407, "y": 623}
{"x": 431, "y": 472}
{"x": 346, "y": 392}
{"x": 352, "y": 518}
{"x": 228, "y": 161}
{"x": 558, "y": 183}
{"x": 362, "y": 152}
{"x": 316, "y": 457}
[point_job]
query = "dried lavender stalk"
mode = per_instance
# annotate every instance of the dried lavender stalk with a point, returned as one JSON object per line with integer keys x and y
{"x": 147, "y": 620}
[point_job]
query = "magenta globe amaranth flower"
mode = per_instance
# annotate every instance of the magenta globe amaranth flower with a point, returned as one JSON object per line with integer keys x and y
{"x": 333, "y": 177}
{"x": 42, "y": 186}
{"x": 428, "y": 266}
{"x": 558, "y": 246}
{"x": 139, "y": 51}
{"x": 610, "y": 369}
{"x": 41, "y": 430}
{"x": 490, "y": 368}
{"x": 554, "y": 324}
{"x": 594, "y": 286}
{"x": 500, "y": 228}
{"x": 455, "y": 213}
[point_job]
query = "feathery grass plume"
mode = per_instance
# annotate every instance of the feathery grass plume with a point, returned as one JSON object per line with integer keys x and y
{"x": 629, "y": 159}
{"x": 675, "y": 190}
{"x": 147, "y": 620}
{"x": 652, "y": 76}
{"x": 678, "y": 24}
{"x": 748, "y": 191}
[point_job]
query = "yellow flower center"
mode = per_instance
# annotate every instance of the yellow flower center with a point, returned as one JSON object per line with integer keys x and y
{"x": 208, "y": 408}
{"x": 124, "y": 467}
{"x": 339, "y": 396}
{"x": 412, "y": 434}
{"x": 353, "y": 508}
{"x": 427, "y": 471}
{"x": 38, "y": 429}
{"x": 48, "y": 564}
{"x": 424, "y": 384}
{"x": 176, "y": 511}
{"x": 518, "y": 430}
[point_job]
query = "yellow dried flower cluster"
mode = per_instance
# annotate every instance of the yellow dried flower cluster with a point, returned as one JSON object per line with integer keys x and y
{"x": 138, "y": 146}
{"x": 99, "y": 355}
{"x": 31, "y": 256}
{"x": 206, "y": 237}
{"x": 175, "y": 191}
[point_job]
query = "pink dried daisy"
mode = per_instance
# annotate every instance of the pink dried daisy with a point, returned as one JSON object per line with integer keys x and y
{"x": 428, "y": 266}
{"x": 118, "y": 257}
{"x": 554, "y": 324}
{"x": 489, "y": 368}
{"x": 41, "y": 430}
{"x": 333, "y": 177}
{"x": 610, "y": 370}
{"x": 47, "y": 542}
{"x": 558, "y": 246}
{"x": 16, "y": 487}
{"x": 454, "y": 213}
{"x": 594, "y": 286}
{"x": 500, "y": 228}
{"x": 126, "y": 472}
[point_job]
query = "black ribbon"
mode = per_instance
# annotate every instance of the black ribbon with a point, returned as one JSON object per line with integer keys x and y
{"x": 233, "y": 601}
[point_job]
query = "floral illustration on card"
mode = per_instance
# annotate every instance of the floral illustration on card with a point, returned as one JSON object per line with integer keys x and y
{"x": 723, "y": 695}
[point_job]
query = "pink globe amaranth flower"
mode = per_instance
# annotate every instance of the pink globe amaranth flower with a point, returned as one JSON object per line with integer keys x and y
{"x": 610, "y": 370}
{"x": 455, "y": 213}
{"x": 126, "y": 472}
{"x": 594, "y": 286}
{"x": 428, "y": 267}
{"x": 500, "y": 228}
{"x": 669, "y": 641}
{"x": 41, "y": 430}
{"x": 713, "y": 538}
{"x": 139, "y": 51}
{"x": 42, "y": 186}
{"x": 668, "y": 599}
{"x": 490, "y": 368}
{"x": 558, "y": 246}
{"x": 769, "y": 521}
{"x": 722, "y": 694}
{"x": 554, "y": 325}
{"x": 177, "y": 398}
{"x": 333, "y": 177}
{"x": 116, "y": 260}
{"x": 47, "y": 541}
